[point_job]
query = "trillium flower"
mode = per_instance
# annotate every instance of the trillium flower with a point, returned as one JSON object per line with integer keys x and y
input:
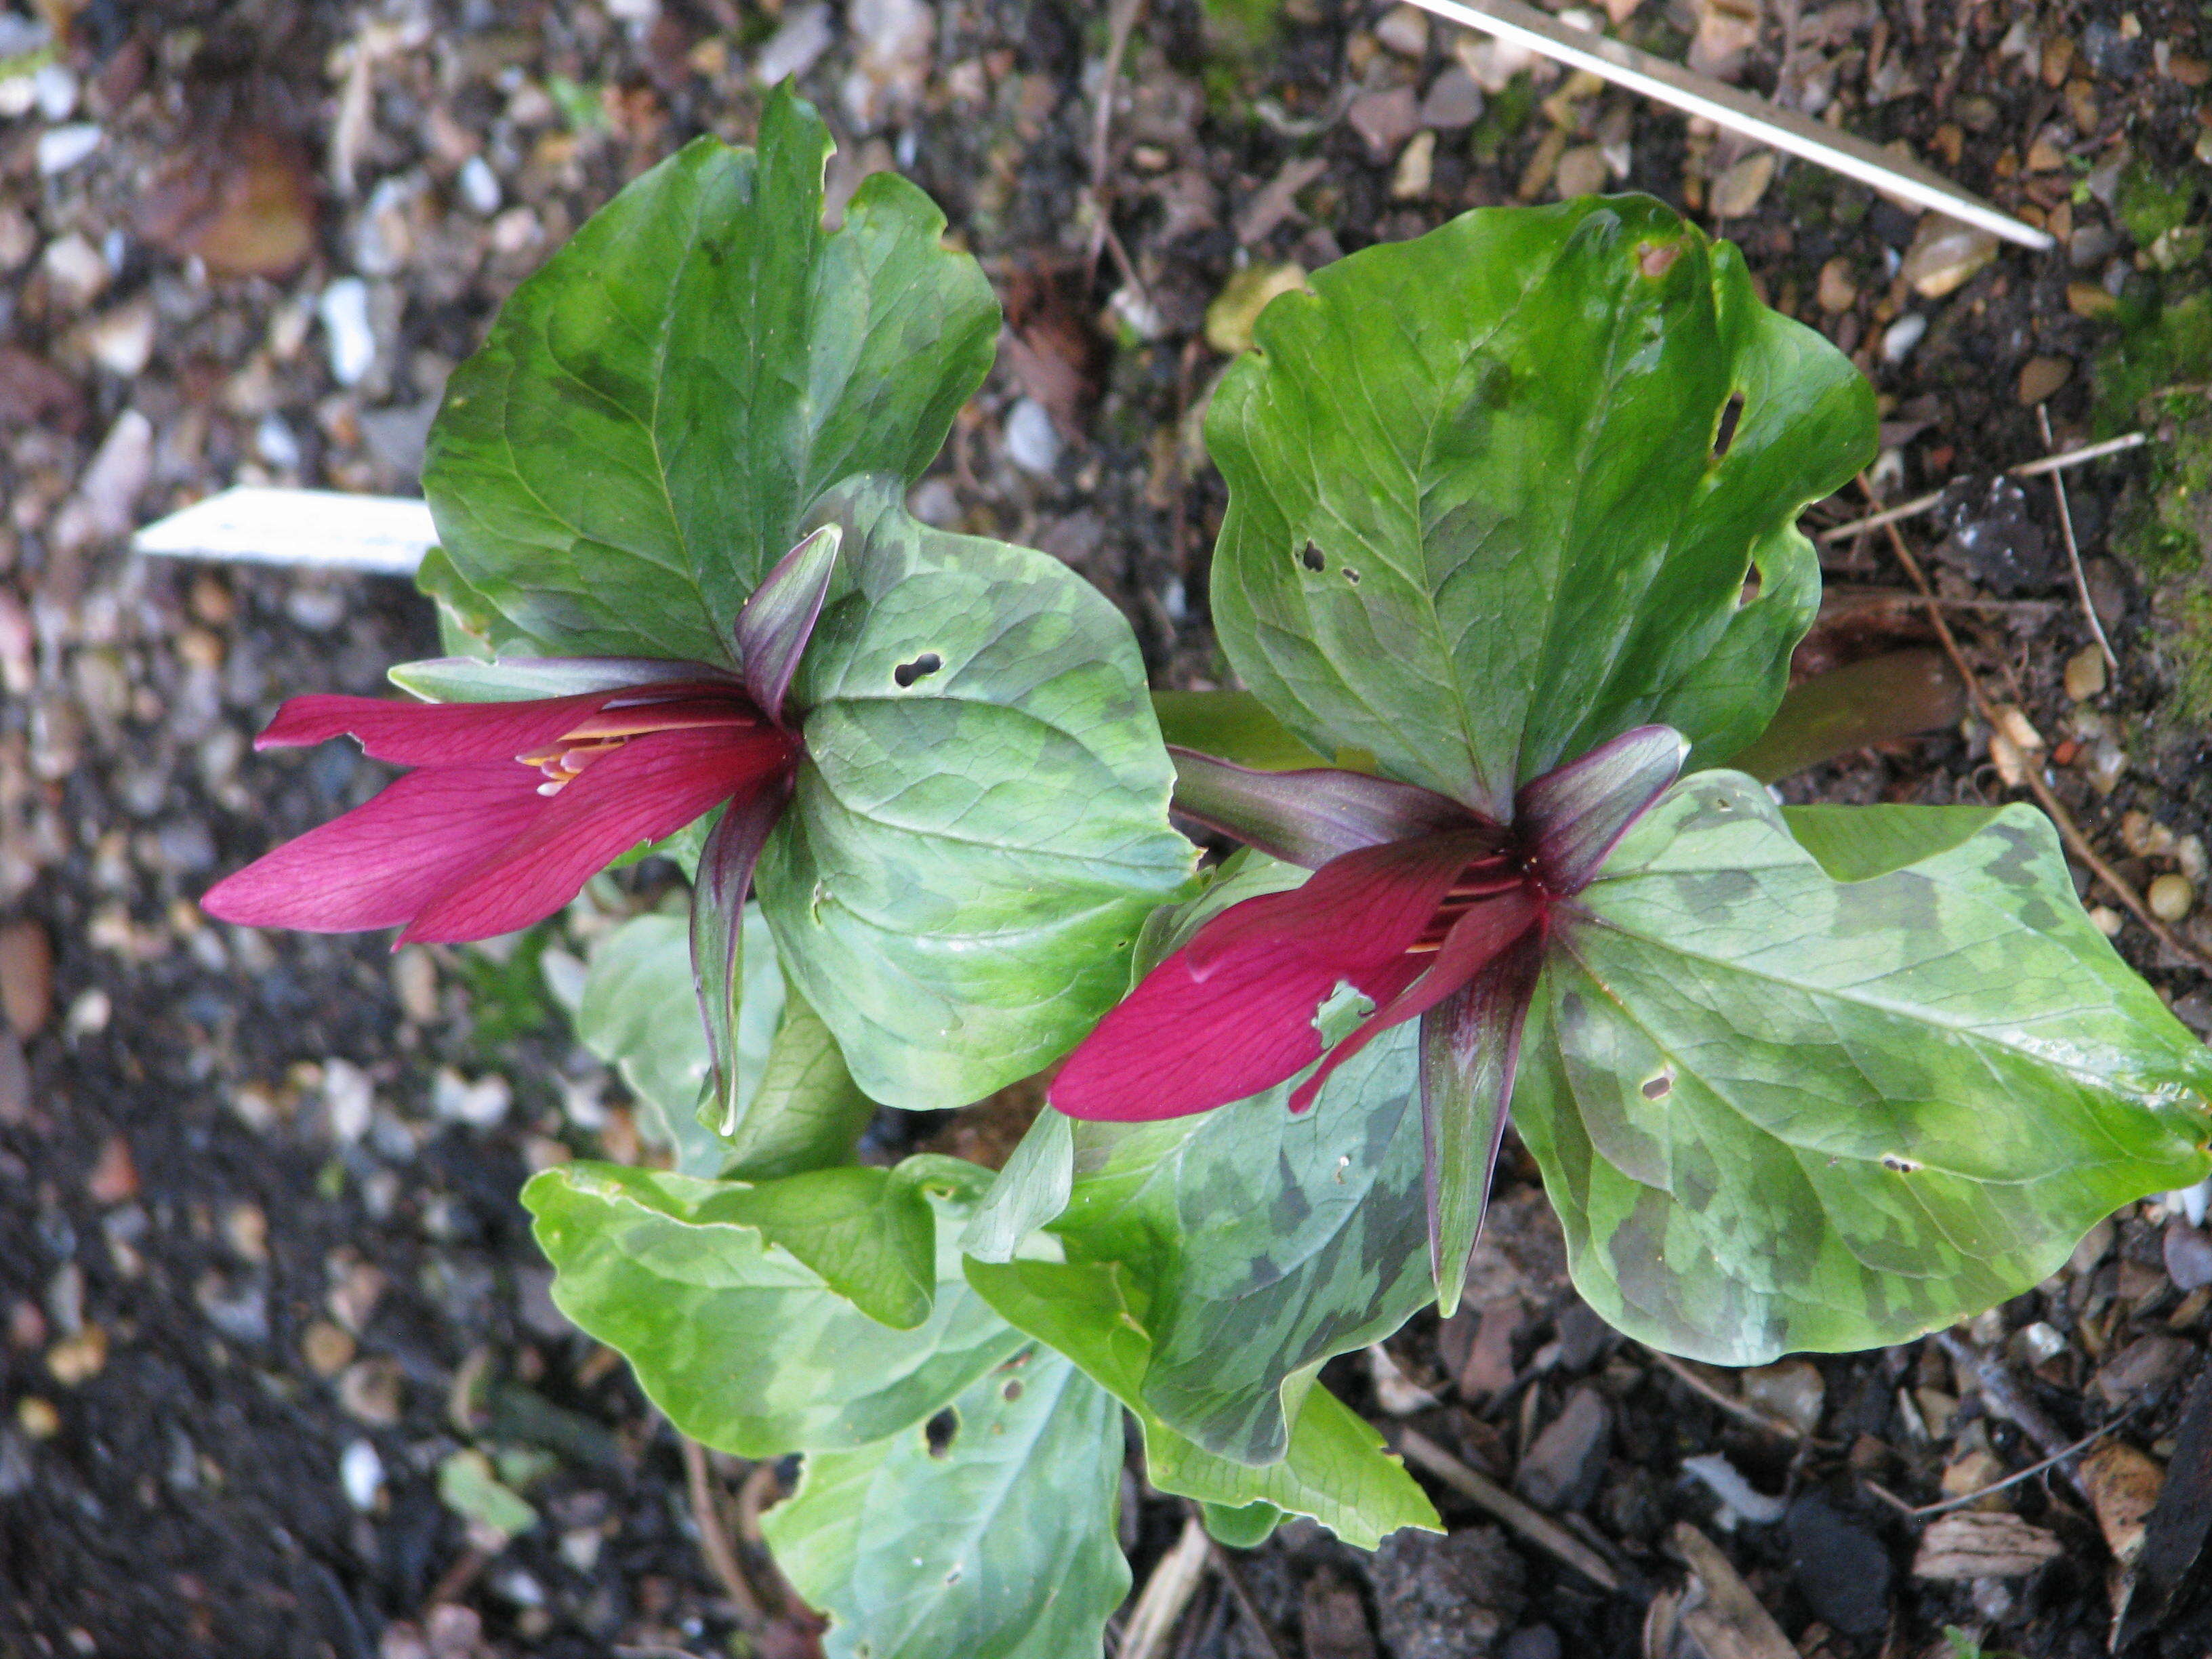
{"x": 513, "y": 805}
{"x": 1431, "y": 910}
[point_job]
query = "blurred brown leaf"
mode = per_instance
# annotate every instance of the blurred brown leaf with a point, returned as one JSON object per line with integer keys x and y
{"x": 241, "y": 199}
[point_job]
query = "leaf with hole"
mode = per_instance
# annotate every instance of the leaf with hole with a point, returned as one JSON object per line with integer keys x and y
{"x": 1477, "y": 521}
{"x": 1332, "y": 1465}
{"x": 1781, "y": 1111}
{"x": 980, "y": 826}
{"x": 746, "y": 1308}
{"x": 987, "y": 1532}
{"x": 656, "y": 410}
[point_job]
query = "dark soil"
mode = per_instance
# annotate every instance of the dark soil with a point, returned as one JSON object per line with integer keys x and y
{"x": 224, "y": 1273}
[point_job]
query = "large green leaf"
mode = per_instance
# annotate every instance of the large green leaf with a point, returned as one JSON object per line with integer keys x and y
{"x": 656, "y": 408}
{"x": 1333, "y": 1467}
{"x": 1476, "y": 524}
{"x": 1780, "y": 1111}
{"x": 745, "y": 1346}
{"x": 990, "y": 1537}
{"x": 980, "y": 827}
{"x": 1264, "y": 1241}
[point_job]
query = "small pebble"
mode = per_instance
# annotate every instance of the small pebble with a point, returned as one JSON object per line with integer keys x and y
{"x": 76, "y": 274}
{"x": 479, "y": 186}
{"x": 481, "y": 1104}
{"x": 1416, "y": 165}
{"x": 1837, "y": 292}
{"x": 2106, "y": 920}
{"x": 115, "y": 1177}
{"x": 36, "y": 1417}
{"x": 63, "y": 148}
{"x": 27, "y": 977}
{"x": 1901, "y": 335}
{"x": 2188, "y": 1257}
{"x": 2043, "y": 377}
{"x": 78, "y": 1358}
{"x": 2171, "y": 898}
{"x": 2085, "y": 674}
{"x": 344, "y": 309}
{"x": 1792, "y": 1390}
{"x": 1404, "y": 30}
{"x": 1738, "y": 191}
{"x": 1945, "y": 254}
{"x": 361, "y": 1472}
{"x": 1031, "y": 442}
{"x": 326, "y": 1349}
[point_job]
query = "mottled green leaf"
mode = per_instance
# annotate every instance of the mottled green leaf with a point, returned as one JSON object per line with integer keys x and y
{"x": 990, "y": 1537}
{"x": 1854, "y": 842}
{"x": 1476, "y": 524}
{"x": 656, "y": 408}
{"x": 807, "y": 1111}
{"x": 980, "y": 824}
{"x": 1032, "y": 1190}
{"x": 747, "y": 1348}
{"x": 1776, "y": 1111}
{"x": 1245, "y": 1528}
{"x": 1232, "y": 725}
{"x": 1333, "y": 1467}
{"x": 639, "y": 1014}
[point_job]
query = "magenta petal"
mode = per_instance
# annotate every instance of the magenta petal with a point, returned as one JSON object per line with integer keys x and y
{"x": 1358, "y": 912}
{"x": 1474, "y": 940}
{"x": 1181, "y": 1045}
{"x": 378, "y": 865}
{"x": 432, "y": 733}
{"x": 651, "y": 786}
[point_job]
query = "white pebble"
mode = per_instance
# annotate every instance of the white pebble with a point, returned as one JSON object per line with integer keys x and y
{"x": 481, "y": 1104}
{"x": 275, "y": 444}
{"x": 361, "y": 1471}
{"x": 61, "y": 148}
{"x": 1901, "y": 335}
{"x": 55, "y": 88}
{"x": 1031, "y": 443}
{"x": 348, "y": 1097}
{"x": 479, "y": 186}
{"x": 344, "y": 311}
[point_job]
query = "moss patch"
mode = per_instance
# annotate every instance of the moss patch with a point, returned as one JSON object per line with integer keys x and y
{"x": 2157, "y": 373}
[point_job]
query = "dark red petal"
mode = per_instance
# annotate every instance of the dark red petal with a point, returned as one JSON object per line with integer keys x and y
{"x": 1358, "y": 912}
{"x": 1470, "y": 1050}
{"x": 1475, "y": 938}
{"x": 717, "y": 907}
{"x": 378, "y": 865}
{"x": 649, "y": 787}
{"x": 1312, "y": 815}
{"x": 1181, "y": 1045}
{"x": 777, "y": 621}
{"x": 431, "y": 733}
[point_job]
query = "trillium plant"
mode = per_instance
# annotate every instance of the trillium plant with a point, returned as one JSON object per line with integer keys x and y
{"x": 1509, "y": 572}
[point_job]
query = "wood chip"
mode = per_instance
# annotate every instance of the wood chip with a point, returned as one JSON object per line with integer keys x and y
{"x": 1736, "y": 192}
{"x": 1717, "y": 1613}
{"x": 1977, "y": 1544}
{"x": 2123, "y": 1485}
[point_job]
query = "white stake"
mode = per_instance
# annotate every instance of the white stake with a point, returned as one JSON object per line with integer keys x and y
{"x": 1724, "y": 106}
{"x": 386, "y": 534}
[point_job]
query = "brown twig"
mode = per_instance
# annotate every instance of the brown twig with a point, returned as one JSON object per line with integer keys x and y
{"x": 2068, "y": 831}
{"x": 715, "y": 1541}
{"x": 1728, "y": 1403}
{"x": 2002, "y": 1393}
{"x": 1922, "y": 1512}
{"x": 1120, "y": 23}
{"x": 1920, "y": 504}
{"x": 2074, "y": 548}
{"x": 1532, "y": 1523}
